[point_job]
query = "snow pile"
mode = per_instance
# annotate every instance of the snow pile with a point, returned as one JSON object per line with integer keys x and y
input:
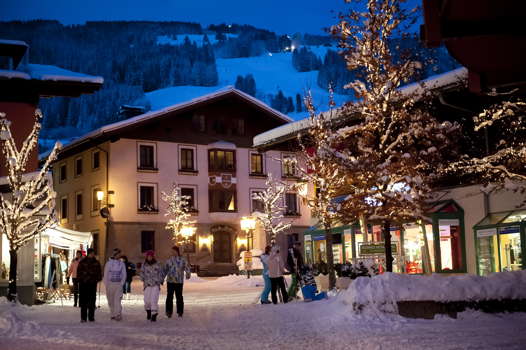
{"x": 256, "y": 261}
{"x": 383, "y": 291}
{"x": 195, "y": 279}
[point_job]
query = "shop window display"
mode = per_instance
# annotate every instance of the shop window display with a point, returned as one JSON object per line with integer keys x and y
{"x": 414, "y": 249}
{"x": 347, "y": 237}
{"x": 488, "y": 253}
{"x": 450, "y": 245}
{"x": 510, "y": 248}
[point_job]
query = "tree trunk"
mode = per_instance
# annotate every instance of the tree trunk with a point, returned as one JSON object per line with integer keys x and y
{"x": 11, "y": 294}
{"x": 426, "y": 261}
{"x": 387, "y": 243}
{"x": 330, "y": 258}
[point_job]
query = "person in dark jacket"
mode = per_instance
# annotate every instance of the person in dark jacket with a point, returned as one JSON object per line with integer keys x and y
{"x": 89, "y": 273}
{"x": 130, "y": 272}
{"x": 295, "y": 266}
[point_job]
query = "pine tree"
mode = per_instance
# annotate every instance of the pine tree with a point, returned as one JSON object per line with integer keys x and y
{"x": 29, "y": 207}
{"x": 393, "y": 146}
{"x": 272, "y": 216}
{"x": 299, "y": 103}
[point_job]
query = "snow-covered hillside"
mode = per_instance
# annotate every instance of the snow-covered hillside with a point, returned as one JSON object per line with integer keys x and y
{"x": 272, "y": 72}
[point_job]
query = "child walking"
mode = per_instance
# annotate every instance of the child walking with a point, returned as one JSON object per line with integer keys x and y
{"x": 152, "y": 276}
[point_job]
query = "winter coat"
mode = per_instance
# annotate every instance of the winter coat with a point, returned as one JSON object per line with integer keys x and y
{"x": 130, "y": 271}
{"x": 294, "y": 260}
{"x": 89, "y": 271}
{"x": 276, "y": 266}
{"x": 307, "y": 279}
{"x": 151, "y": 274}
{"x": 72, "y": 271}
{"x": 264, "y": 261}
{"x": 175, "y": 269}
{"x": 114, "y": 272}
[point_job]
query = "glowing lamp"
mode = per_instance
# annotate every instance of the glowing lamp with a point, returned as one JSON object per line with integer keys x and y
{"x": 100, "y": 195}
{"x": 248, "y": 223}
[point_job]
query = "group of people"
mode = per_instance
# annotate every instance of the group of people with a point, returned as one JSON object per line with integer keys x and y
{"x": 86, "y": 273}
{"x": 301, "y": 275}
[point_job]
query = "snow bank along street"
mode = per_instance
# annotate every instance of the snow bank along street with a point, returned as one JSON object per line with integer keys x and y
{"x": 223, "y": 314}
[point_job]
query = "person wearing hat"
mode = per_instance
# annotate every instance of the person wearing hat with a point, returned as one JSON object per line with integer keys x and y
{"x": 176, "y": 269}
{"x": 152, "y": 276}
{"x": 114, "y": 278}
{"x": 89, "y": 273}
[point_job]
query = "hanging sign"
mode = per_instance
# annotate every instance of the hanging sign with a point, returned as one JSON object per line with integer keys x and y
{"x": 375, "y": 249}
{"x": 487, "y": 232}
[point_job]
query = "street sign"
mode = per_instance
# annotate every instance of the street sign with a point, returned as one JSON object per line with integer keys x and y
{"x": 375, "y": 249}
{"x": 248, "y": 261}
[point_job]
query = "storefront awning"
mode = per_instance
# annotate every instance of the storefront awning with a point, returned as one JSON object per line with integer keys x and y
{"x": 64, "y": 238}
{"x": 503, "y": 218}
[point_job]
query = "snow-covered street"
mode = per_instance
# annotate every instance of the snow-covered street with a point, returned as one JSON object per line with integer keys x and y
{"x": 223, "y": 314}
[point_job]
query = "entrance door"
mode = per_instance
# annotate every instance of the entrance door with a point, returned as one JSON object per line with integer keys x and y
{"x": 222, "y": 247}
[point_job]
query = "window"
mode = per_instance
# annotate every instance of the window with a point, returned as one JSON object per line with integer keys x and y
{"x": 219, "y": 126}
{"x": 221, "y": 201}
{"x": 63, "y": 173}
{"x": 146, "y": 156}
{"x": 451, "y": 256}
{"x": 289, "y": 165}
{"x": 95, "y": 164}
{"x": 189, "y": 192}
{"x": 291, "y": 204}
{"x": 199, "y": 122}
{"x": 241, "y": 127}
{"x": 147, "y": 198}
{"x": 220, "y": 160}
{"x": 147, "y": 241}
{"x": 95, "y": 203}
{"x": 78, "y": 166}
{"x": 256, "y": 163}
{"x": 78, "y": 205}
{"x": 64, "y": 208}
{"x": 257, "y": 205}
{"x": 187, "y": 159}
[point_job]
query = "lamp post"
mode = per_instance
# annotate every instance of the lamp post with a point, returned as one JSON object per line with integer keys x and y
{"x": 248, "y": 224}
{"x": 187, "y": 232}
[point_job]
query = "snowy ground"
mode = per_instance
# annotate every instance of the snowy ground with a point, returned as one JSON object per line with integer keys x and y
{"x": 223, "y": 314}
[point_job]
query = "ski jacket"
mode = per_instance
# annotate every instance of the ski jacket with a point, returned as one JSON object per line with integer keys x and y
{"x": 264, "y": 261}
{"x": 294, "y": 260}
{"x": 175, "y": 269}
{"x": 89, "y": 271}
{"x": 72, "y": 271}
{"x": 151, "y": 274}
{"x": 130, "y": 271}
{"x": 307, "y": 279}
{"x": 114, "y": 272}
{"x": 275, "y": 265}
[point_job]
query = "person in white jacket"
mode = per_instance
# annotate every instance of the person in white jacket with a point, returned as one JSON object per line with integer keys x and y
{"x": 276, "y": 267}
{"x": 114, "y": 278}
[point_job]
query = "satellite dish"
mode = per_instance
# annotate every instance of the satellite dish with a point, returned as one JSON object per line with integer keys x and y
{"x": 105, "y": 212}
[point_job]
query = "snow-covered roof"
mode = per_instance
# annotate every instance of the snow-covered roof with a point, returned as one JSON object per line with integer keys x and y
{"x": 49, "y": 73}
{"x": 154, "y": 114}
{"x": 435, "y": 82}
{"x": 222, "y": 144}
{"x": 13, "y": 42}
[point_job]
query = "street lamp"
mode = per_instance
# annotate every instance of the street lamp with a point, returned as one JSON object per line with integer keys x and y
{"x": 248, "y": 224}
{"x": 187, "y": 232}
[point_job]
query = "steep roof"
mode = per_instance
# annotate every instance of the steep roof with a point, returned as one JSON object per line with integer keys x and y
{"x": 289, "y": 131}
{"x": 117, "y": 127}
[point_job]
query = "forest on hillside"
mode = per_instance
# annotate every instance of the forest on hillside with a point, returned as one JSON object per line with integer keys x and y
{"x": 132, "y": 61}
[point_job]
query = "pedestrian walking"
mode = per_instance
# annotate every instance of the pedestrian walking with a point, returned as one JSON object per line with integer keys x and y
{"x": 152, "y": 276}
{"x": 266, "y": 289}
{"x": 72, "y": 273}
{"x": 89, "y": 273}
{"x": 176, "y": 269}
{"x": 130, "y": 272}
{"x": 295, "y": 266}
{"x": 114, "y": 278}
{"x": 276, "y": 267}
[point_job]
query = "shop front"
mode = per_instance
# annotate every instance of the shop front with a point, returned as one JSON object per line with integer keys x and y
{"x": 500, "y": 242}
{"x": 437, "y": 245}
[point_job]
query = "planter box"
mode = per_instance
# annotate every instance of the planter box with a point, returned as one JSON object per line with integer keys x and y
{"x": 428, "y": 309}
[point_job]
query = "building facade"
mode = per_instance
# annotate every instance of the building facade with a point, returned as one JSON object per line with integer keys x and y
{"x": 203, "y": 146}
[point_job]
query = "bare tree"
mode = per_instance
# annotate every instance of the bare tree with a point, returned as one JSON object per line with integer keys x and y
{"x": 271, "y": 218}
{"x": 392, "y": 145}
{"x": 28, "y": 208}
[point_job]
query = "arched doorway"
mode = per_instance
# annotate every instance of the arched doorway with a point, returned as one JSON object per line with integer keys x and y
{"x": 222, "y": 246}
